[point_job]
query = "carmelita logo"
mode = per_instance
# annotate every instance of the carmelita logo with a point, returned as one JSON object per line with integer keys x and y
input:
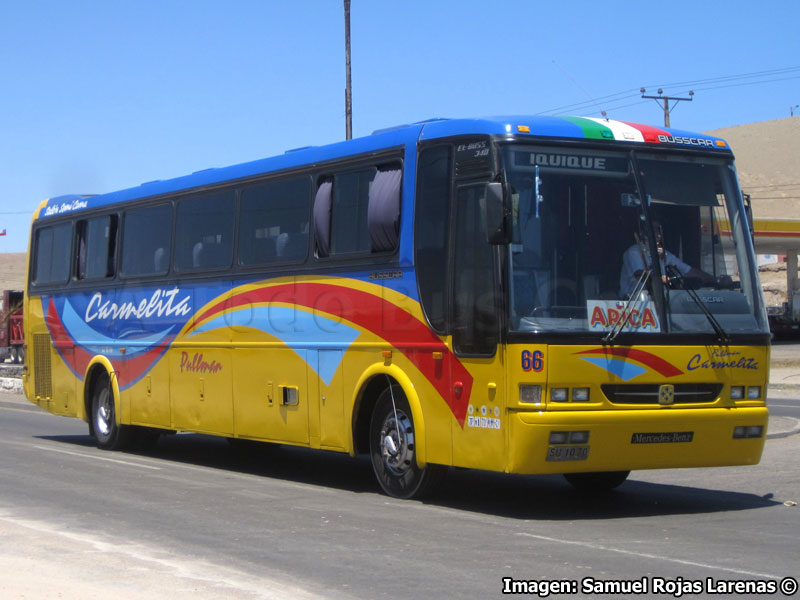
{"x": 162, "y": 303}
{"x": 673, "y": 437}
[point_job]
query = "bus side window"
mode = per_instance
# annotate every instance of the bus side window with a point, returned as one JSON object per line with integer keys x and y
{"x": 349, "y": 210}
{"x": 52, "y": 250}
{"x": 358, "y": 212}
{"x": 204, "y": 232}
{"x": 96, "y": 239}
{"x": 273, "y": 222}
{"x": 144, "y": 232}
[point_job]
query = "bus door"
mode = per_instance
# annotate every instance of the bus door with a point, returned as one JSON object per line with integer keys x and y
{"x": 478, "y": 378}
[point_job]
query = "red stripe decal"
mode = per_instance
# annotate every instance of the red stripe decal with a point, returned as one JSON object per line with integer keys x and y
{"x": 378, "y": 316}
{"x": 649, "y": 133}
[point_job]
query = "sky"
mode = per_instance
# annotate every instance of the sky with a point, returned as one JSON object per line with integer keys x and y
{"x": 97, "y": 96}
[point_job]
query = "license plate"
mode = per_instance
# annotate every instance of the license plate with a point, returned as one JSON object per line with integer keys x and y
{"x": 564, "y": 453}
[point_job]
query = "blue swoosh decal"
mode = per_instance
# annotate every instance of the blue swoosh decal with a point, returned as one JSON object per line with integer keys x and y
{"x": 86, "y": 337}
{"x": 622, "y": 369}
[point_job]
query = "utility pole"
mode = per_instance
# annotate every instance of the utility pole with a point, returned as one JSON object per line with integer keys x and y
{"x": 348, "y": 93}
{"x": 666, "y": 100}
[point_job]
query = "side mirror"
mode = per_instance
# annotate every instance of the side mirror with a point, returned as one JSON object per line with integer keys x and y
{"x": 496, "y": 215}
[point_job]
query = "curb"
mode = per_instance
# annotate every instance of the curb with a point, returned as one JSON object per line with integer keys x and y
{"x": 11, "y": 385}
{"x": 782, "y": 434}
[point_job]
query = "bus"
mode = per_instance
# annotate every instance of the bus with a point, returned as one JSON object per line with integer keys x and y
{"x": 441, "y": 294}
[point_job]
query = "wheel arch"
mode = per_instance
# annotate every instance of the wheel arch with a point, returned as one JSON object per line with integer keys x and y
{"x": 372, "y": 383}
{"x": 98, "y": 366}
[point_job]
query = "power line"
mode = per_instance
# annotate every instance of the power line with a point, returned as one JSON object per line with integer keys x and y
{"x": 771, "y": 186}
{"x": 732, "y": 77}
{"x": 631, "y": 93}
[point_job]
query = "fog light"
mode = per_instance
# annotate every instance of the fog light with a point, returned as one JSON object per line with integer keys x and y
{"x": 754, "y": 392}
{"x": 559, "y": 394}
{"x": 737, "y": 392}
{"x": 754, "y": 431}
{"x": 530, "y": 394}
{"x": 579, "y": 437}
{"x": 558, "y": 437}
{"x": 580, "y": 394}
{"x": 749, "y": 431}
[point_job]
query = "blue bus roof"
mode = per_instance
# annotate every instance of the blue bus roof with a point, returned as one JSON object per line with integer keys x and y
{"x": 575, "y": 128}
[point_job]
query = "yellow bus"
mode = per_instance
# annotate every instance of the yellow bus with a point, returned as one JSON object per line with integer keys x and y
{"x": 475, "y": 293}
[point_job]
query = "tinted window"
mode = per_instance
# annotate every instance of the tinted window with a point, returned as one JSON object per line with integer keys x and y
{"x": 349, "y": 211}
{"x": 430, "y": 232}
{"x": 474, "y": 303}
{"x": 96, "y": 246}
{"x": 273, "y": 224}
{"x": 146, "y": 237}
{"x": 204, "y": 233}
{"x": 53, "y": 250}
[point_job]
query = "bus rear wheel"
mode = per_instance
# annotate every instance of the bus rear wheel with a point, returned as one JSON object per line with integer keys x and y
{"x": 108, "y": 434}
{"x": 601, "y": 481}
{"x": 393, "y": 449}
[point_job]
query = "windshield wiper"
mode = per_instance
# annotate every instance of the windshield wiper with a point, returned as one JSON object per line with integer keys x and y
{"x": 722, "y": 335}
{"x": 631, "y": 304}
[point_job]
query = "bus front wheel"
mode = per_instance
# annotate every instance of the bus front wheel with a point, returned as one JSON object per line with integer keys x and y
{"x": 601, "y": 481}
{"x": 108, "y": 434}
{"x": 393, "y": 449}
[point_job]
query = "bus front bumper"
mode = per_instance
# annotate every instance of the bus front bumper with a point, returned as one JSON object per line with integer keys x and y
{"x": 621, "y": 440}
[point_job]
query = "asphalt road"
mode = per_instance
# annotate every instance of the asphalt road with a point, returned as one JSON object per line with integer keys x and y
{"x": 194, "y": 517}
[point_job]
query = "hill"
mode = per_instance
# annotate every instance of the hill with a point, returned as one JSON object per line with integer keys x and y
{"x": 12, "y": 271}
{"x": 768, "y": 165}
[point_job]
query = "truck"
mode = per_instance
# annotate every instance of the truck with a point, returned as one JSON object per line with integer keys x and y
{"x": 12, "y": 334}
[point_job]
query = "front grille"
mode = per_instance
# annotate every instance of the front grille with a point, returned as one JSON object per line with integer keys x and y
{"x": 43, "y": 379}
{"x": 685, "y": 393}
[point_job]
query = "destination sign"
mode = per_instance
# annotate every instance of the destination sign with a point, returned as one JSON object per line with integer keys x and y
{"x": 572, "y": 161}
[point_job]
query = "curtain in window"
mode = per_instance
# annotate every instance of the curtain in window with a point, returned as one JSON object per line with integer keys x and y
{"x": 383, "y": 215}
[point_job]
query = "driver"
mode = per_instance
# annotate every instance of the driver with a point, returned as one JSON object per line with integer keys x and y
{"x": 633, "y": 261}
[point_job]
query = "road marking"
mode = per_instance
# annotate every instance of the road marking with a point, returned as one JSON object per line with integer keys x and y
{"x": 113, "y": 460}
{"x": 654, "y": 556}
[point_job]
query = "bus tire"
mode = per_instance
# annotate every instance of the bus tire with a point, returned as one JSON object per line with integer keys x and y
{"x": 393, "y": 451}
{"x": 108, "y": 434}
{"x": 601, "y": 481}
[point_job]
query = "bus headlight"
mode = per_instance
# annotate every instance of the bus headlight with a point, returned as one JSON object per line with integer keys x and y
{"x": 737, "y": 392}
{"x": 580, "y": 394}
{"x": 754, "y": 392}
{"x": 530, "y": 394}
{"x": 559, "y": 394}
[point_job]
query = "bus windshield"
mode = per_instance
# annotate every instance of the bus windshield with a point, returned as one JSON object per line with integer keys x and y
{"x": 586, "y": 222}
